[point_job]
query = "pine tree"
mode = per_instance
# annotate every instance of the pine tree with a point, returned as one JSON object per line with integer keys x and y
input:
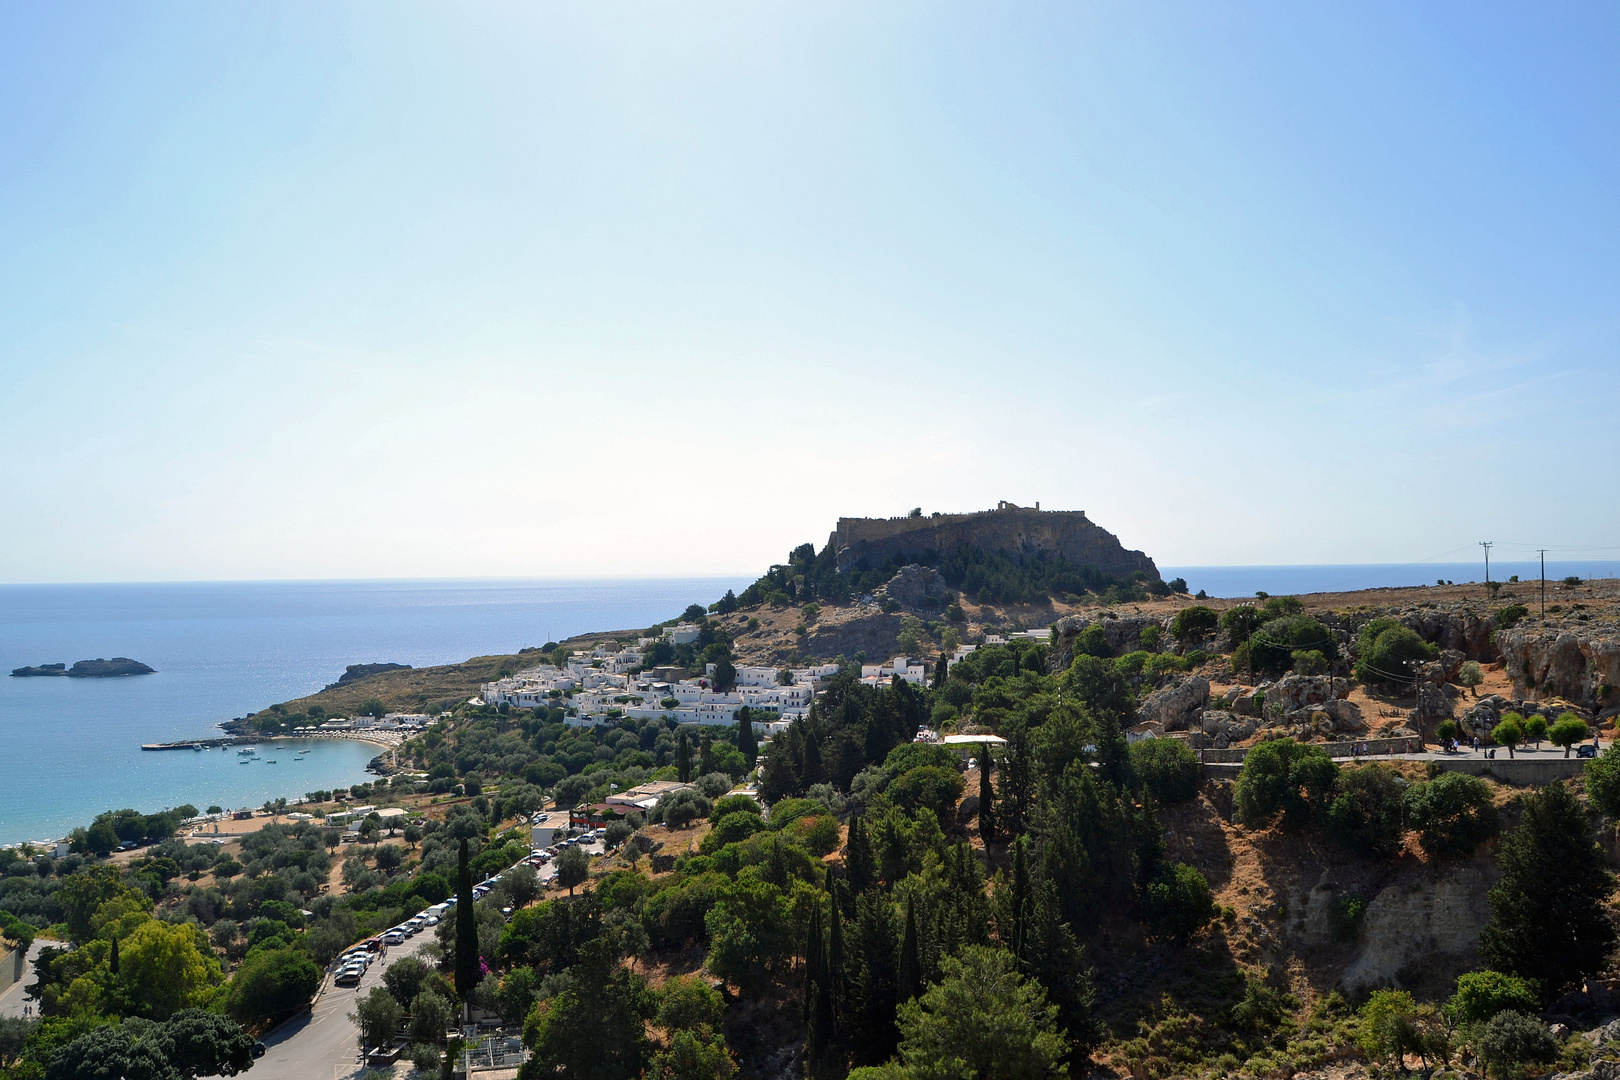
{"x": 908, "y": 979}
{"x": 1548, "y": 920}
{"x": 987, "y": 798}
{"x": 467, "y": 968}
{"x": 683, "y": 759}
{"x": 746, "y": 743}
{"x": 860, "y": 861}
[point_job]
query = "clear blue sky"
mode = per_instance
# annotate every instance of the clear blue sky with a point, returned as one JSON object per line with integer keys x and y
{"x": 328, "y": 290}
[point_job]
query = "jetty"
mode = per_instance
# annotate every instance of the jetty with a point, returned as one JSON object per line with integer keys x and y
{"x": 201, "y": 744}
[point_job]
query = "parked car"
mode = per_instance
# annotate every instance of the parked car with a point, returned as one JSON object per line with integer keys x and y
{"x": 393, "y": 937}
{"x": 1586, "y": 751}
{"x": 347, "y": 977}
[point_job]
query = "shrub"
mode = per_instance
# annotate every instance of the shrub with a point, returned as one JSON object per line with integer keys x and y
{"x": 1453, "y": 814}
{"x": 1177, "y": 904}
{"x": 1167, "y": 768}
{"x": 1387, "y": 652}
{"x": 736, "y": 826}
{"x": 1471, "y": 674}
{"x": 930, "y": 787}
{"x": 1286, "y": 777}
{"x": 1509, "y": 616}
{"x": 1482, "y": 994}
{"x": 1093, "y": 641}
{"x": 1511, "y": 1040}
{"x": 1365, "y": 814}
{"x": 1192, "y": 621}
{"x": 786, "y": 811}
{"x": 1309, "y": 662}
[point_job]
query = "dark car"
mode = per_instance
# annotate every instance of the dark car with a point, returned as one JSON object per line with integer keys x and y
{"x": 1586, "y": 751}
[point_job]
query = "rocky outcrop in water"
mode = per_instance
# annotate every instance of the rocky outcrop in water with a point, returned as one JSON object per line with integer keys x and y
{"x": 86, "y": 669}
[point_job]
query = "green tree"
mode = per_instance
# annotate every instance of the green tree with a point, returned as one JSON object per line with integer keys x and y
{"x": 1389, "y": 1026}
{"x": 1568, "y": 730}
{"x": 687, "y": 1003}
{"x": 167, "y": 967}
{"x": 405, "y": 978}
{"x": 1192, "y": 621}
{"x": 432, "y": 1015}
{"x": 1177, "y": 904}
{"x": 1167, "y": 768}
{"x": 1471, "y": 675}
{"x": 467, "y": 968}
{"x": 1548, "y": 918}
{"x": 1535, "y": 729}
{"x": 1511, "y": 1040}
{"x": 1453, "y": 814}
{"x": 271, "y": 984}
{"x": 377, "y": 1015}
{"x": 694, "y": 1055}
{"x": 207, "y": 1044}
{"x": 1602, "y": 781}
{"x": 987, "y": 797}
{"x": 1365, "y": 814}
{"x": 751, "y": 939}
{"x": 982, "y": 1019}
{"x": 134, "y": 1050}
{"x": 594, "y": 1029}
{"x": 573, "y": 867}
{"x": 683, "y": 759}
{"x": 747, "y": 744}
{"x": 1509, "y": 733}
{"x": 1286, "y": 777}
{"x": 1389, "y": 653}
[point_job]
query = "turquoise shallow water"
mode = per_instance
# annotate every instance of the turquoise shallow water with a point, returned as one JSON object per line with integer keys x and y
{"x": 70, "y": 748}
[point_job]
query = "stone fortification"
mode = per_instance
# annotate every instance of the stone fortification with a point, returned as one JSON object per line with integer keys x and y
{"x": 1015, "y": 531}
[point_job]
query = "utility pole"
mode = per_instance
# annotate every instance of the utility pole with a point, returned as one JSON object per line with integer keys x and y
{"x": 1543, "y": 553}
{"x": 1486, "y": 544}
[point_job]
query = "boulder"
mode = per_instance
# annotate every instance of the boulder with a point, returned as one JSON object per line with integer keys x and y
{"x": 1221, "y": 723}
{"x": 968, "y": 811}
{"x": 1433, "y": 705}
{"x": 1177, "y": 705}
{"x": 1457, "y": 631}
{"x": 1483, "y": 715}
{"x": 1567, "y": 662}
{"x": 1340, "y": 715}
{"x": 1246, "y": 701}
{"x": 1122, "y": 634}
{"x": 1603, "y": 1036}
{"x": 1292, "y": 692}
{"x": 1559, "y": 1032}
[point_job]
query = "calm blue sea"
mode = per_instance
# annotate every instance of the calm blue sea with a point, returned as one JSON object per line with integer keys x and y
{"x": 71, "y": 747}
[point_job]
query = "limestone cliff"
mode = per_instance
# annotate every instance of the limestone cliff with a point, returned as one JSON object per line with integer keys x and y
{"x": 1015, "y": 531}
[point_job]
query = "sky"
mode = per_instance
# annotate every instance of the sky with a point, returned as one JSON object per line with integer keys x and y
{"x": 525, "y": 289}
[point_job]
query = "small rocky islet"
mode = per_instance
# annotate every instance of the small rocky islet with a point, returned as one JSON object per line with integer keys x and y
{"x": 86, "y": 669}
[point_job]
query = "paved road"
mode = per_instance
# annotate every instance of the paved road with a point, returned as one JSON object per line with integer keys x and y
{"x": 325, "y": 1042}
{"x": 13, "y": 999}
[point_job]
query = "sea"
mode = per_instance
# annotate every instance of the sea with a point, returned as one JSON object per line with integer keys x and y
{"x": 70, "y": 748}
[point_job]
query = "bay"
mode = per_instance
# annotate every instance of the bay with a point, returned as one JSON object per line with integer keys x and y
{"x": 71, "y": 747}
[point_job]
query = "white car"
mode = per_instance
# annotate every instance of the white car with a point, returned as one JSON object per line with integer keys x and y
{"x": 393, "y": 937}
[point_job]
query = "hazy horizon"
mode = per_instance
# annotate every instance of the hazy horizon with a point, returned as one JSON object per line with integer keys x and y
{"x": 411, "y": 292}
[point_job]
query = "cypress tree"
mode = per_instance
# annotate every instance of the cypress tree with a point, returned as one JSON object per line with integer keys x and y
{"x": 860, "y": 861}
{"x": 746, "y": 743}
{"x": 466, "y": 929}
{"x": 683, "y": 759}
{"x": 814, "y": 954}
{"x": 941, "y": 670}
{"x": 1016, "y": 781}
{"x": 706, "y": 755}
{"x": 870, "y": 1011}
{"x": 1020, "y": 895}
{"x": 835, "y": 950}
{"x": 987, "y": 798}
{"x": 908, "y": 981}
{"x": 112, "y": 959}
